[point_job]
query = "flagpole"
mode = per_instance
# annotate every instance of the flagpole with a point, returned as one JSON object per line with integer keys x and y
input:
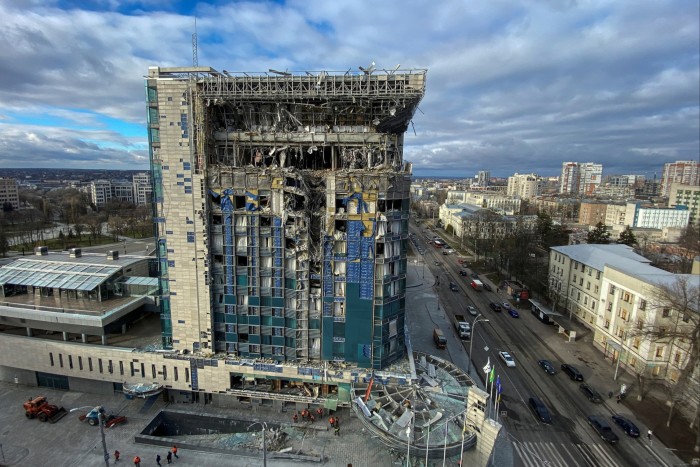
{"x": 444, "y": 448}
{"x": 491, "y": 381}
{"x": 427, "y": 446}
{"x": 461, "y": 449}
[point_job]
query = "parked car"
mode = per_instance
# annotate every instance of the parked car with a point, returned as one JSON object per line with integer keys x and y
{"x": 505, "y": 356}
{"x": 603, "y": 429}
{"x": 590, "y": 393}
{"x": 474, "y": 275}
{"x": 547, "y": 366}
{"x": 472, "y": 311}
{"x": 572, "y": 371}
{"x": 487, "y": 287}
{"x": 462, "y": 272}
{"x": 506, "y": 305}
{"x": 540, "y": 410}
{"x": 513, "y": 313}
{"x": 626, "y": 425}
{"x": 495, "y": 306}
{"x": 453, "y": 287}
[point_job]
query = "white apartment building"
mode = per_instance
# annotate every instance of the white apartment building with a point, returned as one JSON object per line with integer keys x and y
{"x": 483, "y": 177}
{"x": 142, "y": 189}
{"x": 615, "y": 215}
{"x": 526, "y": 186}
{"x": 684, "y": 172}
{"x": 100, "y": 192}
{"x": 614, "y": 292}
{"x": 9, "y": 192}
{"x": 637, "y": 215}
{"x": 123, "y": 190}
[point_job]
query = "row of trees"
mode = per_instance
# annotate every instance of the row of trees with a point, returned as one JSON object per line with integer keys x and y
{"x": 70, "y": 211}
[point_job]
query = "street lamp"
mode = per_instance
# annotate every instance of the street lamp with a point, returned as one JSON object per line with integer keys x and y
{"x": 101, "y": 419}
{"x": 264, "y": 427}
{"x": 471, "y": 342}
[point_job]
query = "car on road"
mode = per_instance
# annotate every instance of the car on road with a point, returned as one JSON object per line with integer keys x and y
{"x": 487, "y": 287}
{"x": 506, "y": 357}
{"x": 474, "y": 275}
{"x": 447, "y": 252}
{"x": 495, "y": 306}
{"x": 603, "y": 429}
{"x": 626, "y": 425}
{"x": 547, "y": 366}
{"x": 506, "y": 305}
{"x": 513, "y": 312}
{"x": 540, "y": 410}
{"x": 472, "y": 311}
{"x": 590, "y": 393}
{"x": 453, "y": 287}
{"x": 462, "y": 273}
{"x": 572, "y": 371}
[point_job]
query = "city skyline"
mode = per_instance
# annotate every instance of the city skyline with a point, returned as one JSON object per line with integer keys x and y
{"x": 510, "y": 87}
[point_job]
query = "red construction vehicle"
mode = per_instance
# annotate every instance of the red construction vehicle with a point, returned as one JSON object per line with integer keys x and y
{"x": 93, "y": 418}
{"x": 40, "y": 408}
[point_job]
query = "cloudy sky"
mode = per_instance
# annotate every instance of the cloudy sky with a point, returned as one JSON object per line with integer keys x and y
{"x": 513, "y": 86}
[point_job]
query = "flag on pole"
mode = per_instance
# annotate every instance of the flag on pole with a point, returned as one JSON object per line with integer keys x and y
{"x": 487, "y": 368}
{"x": 499, "y": 389}
{"x": 492, "y": 375}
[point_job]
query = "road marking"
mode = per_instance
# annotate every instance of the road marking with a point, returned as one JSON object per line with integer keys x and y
{"x": 525, "y": 458}
{"x": 551, "y": 447}
{"x": 596, "y": 455}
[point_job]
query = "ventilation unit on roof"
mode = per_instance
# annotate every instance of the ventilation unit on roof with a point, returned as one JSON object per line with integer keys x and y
{"x": 41, "y": 250}
{"x": 112, "y": 255}
{"x": 76, "y": 252}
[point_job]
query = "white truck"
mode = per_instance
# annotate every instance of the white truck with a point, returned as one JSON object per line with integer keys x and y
{"x": 463, "y": 327}
{"x": 477, "y": 285}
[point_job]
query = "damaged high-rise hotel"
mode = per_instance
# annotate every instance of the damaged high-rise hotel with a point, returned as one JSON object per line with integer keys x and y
{"x": 282, "y": 208}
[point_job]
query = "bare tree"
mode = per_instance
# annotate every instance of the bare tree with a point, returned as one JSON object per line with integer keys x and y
{"x": 678, "y": 301}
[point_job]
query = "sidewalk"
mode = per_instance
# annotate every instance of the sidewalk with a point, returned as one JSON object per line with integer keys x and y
{"x": 667, "y": 443}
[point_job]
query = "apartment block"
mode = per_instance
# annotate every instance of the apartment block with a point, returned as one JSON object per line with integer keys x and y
{"x": 580, "y": 177}
{"x": 592, "y": 212}
{"x": 9, "y": 193}
{"x": 683, "y": 172}
{"x": 639, "y": 215}
{"x": 615, "y": 292}
{"x": 282, "y": 212}
{"x": 525, "y": 186}
{"x": 142, "y": 189}
{"x": 688, "y": 196}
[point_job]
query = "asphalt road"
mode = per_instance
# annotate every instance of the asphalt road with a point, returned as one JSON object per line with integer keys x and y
{"x": 569, "y": 440}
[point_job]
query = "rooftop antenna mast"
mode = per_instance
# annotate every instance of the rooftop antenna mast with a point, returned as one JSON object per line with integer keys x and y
{"x": 195, "y": 60}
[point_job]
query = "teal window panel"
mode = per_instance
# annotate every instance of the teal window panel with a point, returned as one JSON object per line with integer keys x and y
{"x": 278, "y": 340}
{"x": 254, "y": 320}
{"x": 339, "y": 349}
{"x": 254, "y": 338}
{"x": 290, "y": 342}
{"x": 277, "y": 321}
{"x": 265, "y": 301}
{"x": 290, "y": 284}
{"x": 231, "y": 337}
{"x": 242, "y": 280}
{"x": 277, "y": 302}
{"x": 219, "y": 317}
{"x": 316, "y": 323}
{"x": 231, "y": 319}
{"x": 290, "y": 323}
{"x": 266, "y": 340}
{"x": 253, "y": 301}
{"x": 229, "y": 299}
{"x": 266, "y": 320}
{"x": 339, "y": 329}
{"x": 242, "y": 319}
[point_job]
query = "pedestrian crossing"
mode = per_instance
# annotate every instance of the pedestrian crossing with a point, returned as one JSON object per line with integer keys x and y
{"x": 538, "y": 454}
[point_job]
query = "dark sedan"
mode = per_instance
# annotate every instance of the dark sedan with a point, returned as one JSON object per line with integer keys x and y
{"x": 626, "y": 425}
{"x": 547, "y": 366}
{"x": 540, "y": 410}
{"x": 513, "y": 313}
{"x": 474, "y": 275}
{"x": 601, "y": 426}
{"x": 572, "y": 371}
{"x": 590, "y": 393}
{"x": 462, "y": 273}
{"x": 487, "y": 287}
{"x": 495, "y": 306}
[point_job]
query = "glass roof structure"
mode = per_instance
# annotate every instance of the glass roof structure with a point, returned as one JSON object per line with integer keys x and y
{"x": 56, "y": 274}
